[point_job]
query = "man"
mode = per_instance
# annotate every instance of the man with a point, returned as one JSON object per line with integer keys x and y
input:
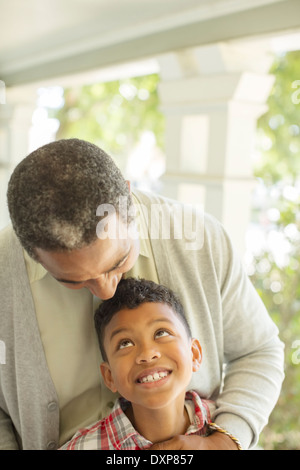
{"x": 73, "y": 239}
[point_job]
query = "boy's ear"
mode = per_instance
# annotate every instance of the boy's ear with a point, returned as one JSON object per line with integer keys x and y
{"x": 196, "y": 354}
{"x": 107, "y": 376}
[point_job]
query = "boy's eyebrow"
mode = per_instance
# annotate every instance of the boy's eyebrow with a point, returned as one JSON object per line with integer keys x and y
{"x": 117, "y": 331}
{"x": 121, "y": 330}
{"x": 67, "y": 281}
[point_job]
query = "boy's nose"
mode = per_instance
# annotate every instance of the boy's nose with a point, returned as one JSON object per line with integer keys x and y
{"x": 147, "y": 354}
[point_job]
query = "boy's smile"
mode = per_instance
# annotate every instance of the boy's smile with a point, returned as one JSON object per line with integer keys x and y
{"x": 148, "y": 377}
{"x": 150, "y": 357}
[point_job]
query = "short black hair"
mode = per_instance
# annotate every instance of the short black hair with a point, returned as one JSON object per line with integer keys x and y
{"x": 131, "y": 293}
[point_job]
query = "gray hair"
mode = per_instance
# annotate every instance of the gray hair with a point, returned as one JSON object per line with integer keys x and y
{"x": 53, "y": 195}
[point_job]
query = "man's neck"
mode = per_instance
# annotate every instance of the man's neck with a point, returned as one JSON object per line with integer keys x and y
{"x": 161, "y": 424}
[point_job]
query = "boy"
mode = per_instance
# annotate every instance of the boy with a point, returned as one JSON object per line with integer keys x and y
{"x": 149, "y": 356}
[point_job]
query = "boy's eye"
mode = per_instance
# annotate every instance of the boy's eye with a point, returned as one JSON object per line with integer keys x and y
{"x": 125, "y": 343}
{"x": 161, "y": 333}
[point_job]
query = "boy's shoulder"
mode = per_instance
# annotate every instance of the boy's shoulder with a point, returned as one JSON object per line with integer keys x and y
{"x": 200, "y": 412}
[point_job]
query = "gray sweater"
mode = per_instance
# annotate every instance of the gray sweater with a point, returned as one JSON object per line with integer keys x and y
{"x": 242, "y": 367}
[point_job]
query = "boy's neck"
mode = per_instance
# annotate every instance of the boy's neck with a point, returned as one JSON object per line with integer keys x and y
{"x": 161, "y": 424}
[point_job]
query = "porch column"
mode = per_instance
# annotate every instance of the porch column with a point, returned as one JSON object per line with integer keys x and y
{"x": 212, "y": 97}
{"x": 16, "y": 110}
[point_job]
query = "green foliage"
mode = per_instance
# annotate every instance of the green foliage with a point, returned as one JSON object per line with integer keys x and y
{"x": 279, "y": 128}
{"x": 113, "y": 115}
{"x": 278, "y": 283}
{"x": 279, "y": 288}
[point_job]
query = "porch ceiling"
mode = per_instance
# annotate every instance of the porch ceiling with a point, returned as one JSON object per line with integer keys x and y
{"x": 42, "y": 39}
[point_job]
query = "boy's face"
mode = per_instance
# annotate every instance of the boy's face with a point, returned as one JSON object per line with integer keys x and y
{"x": 150, "y": 357}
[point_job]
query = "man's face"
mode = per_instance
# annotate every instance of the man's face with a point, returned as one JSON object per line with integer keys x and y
{"x": 150, "y": 356}
{"x": 99, "y": 266}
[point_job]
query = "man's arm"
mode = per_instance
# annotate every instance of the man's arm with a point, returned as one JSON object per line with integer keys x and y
{"x": 251, "y": 389}
{"x": 253, "y": 353}
{"x": 7, "y": 436}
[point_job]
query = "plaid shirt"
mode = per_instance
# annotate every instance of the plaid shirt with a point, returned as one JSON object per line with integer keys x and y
{"x": 115, "y": 432}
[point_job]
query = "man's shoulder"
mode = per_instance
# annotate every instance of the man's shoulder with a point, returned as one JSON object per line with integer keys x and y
{"x": 6, "y": 232}
{"x": 190, "y": 217}
{"x": 6, "y": 236}
{"x": 148, "y": 198}
{"x": 11, "y": 252}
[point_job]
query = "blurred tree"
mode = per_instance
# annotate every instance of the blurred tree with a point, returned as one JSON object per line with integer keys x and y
{"x": 113, "y": 115}
{"x": 277, "y": 279}
{"x": 279, "y": 128}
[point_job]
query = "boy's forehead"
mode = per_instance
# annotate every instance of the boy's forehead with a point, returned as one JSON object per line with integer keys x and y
{"x": 150, "y": 310}
{"x": 144, "y": 315}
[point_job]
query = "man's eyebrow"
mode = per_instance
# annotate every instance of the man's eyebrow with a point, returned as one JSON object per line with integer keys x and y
{"x": 67, "y": 281}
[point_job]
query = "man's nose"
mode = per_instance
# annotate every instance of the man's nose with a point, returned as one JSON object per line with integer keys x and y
{"x": 104, "y": 289}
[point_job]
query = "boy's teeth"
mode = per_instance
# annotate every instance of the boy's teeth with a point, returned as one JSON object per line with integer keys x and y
{"x": 154, "y": 377}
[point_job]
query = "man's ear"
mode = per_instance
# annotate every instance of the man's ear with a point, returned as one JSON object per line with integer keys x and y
{"x": 107, "y": 376}
{"x": 128, "y": 184}
{"x": 196, "y": 354}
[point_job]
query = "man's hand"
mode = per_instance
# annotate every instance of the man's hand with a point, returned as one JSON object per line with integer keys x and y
{"x": 215, "y": 441}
